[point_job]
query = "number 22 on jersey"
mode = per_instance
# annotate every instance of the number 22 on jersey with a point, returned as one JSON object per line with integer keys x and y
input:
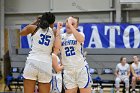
{"x": 44, "y": 39}
{"x": 69, "y": 51}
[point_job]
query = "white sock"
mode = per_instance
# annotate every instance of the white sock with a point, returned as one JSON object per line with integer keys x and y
{"x": 127, "y": 92}
{"x": 117, "y": 92}
{"x": 133, "y": 92}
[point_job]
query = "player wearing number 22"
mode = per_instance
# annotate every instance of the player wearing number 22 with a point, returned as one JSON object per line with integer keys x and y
{"x": 122, "y": 74}
{"x": 39, "y": 61}
{"x": 76, "y": 73}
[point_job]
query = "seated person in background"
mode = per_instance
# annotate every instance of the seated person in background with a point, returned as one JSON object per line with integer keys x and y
{"x": 135, "y": 69}
{"x": 122, "y": 74}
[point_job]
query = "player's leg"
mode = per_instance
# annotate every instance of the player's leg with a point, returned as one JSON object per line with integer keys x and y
{"x": 30, "y": 73}
{"x": 73, "y": 90}
{"x": 85, "y": 90}
{"x": 126, "y": 81}
{"x": 133, "y": 83}
{"x": 117, "y": 84}
{"x": 44, "y": 77}
{"x": 84, "y": 80}
{"x": 44, "y": 87}
{"x": 29, "y": 86}
{"x": 69, "y": 81}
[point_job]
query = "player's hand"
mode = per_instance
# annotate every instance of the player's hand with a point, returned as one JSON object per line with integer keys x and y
{"x": 59, "y": 25}
{"x": 62, "y": 67}
{"x": 70, "y": 20}
{"x": 38, "y": 18}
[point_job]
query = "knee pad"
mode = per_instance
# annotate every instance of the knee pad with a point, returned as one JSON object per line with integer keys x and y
{"x": 126, "y": 82}
{"x": 117, "y": 82}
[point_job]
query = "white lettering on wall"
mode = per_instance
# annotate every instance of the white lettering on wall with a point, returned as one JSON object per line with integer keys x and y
{"x": 112, "y": 30}
{"x": 126, "y": 37}
{"x": 95, "y": 38}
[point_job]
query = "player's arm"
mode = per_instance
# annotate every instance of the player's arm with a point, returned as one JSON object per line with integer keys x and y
{"x": 132, "y": 71}
{"x": 79, "y": 37}
{"x": 28, "y": 30}
{"x": 31, "y": 27}
{"x": 128, "y": 72}
{"x": 55, "y": 64}
{"x": 116, "y": 73}
{"x": 57, "y": 43}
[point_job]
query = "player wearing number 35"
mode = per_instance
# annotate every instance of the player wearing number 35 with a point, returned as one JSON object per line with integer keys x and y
{"x": 39, "y": 61}
{"x": 122, "y": 74}
{"x": 76, "y": 73}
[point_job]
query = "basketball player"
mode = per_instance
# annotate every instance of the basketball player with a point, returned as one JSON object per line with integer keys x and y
{"x": 122, "y": 74}
{"x": 56, "y": 84}
{"x": 76, "y": 71}
{"x": 135, "y": 69}
{"x": 39, "y": 61}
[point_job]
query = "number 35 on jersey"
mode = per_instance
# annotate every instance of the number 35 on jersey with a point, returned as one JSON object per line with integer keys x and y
{"x": 44, "y": 39}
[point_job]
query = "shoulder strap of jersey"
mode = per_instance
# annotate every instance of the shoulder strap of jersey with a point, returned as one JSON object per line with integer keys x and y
{"x": 35, "y": 30}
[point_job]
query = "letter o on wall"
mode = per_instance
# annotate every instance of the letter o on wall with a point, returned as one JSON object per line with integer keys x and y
{"x": 136, "y": 37}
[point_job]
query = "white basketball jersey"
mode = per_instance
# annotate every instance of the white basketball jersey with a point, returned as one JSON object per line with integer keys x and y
{"x": 123, "y": 70}
{"x": 42, "y": 44}
{"x": 136, "y": 68}
{"x": 58, "y": 60}
{"x": 72, "y": 51}
{"x": 56, "y": 84}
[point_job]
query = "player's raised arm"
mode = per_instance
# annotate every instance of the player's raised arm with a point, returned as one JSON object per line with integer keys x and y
{"x": 57, "y": 43}
{"x": 31, "y": 27}
{"x": 73, "y": 24}
{"x": 27, "y": 30}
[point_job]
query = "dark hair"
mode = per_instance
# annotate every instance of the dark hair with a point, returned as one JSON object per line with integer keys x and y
{"x": 121, "y": 58}
{"x": 46, "y": 19}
